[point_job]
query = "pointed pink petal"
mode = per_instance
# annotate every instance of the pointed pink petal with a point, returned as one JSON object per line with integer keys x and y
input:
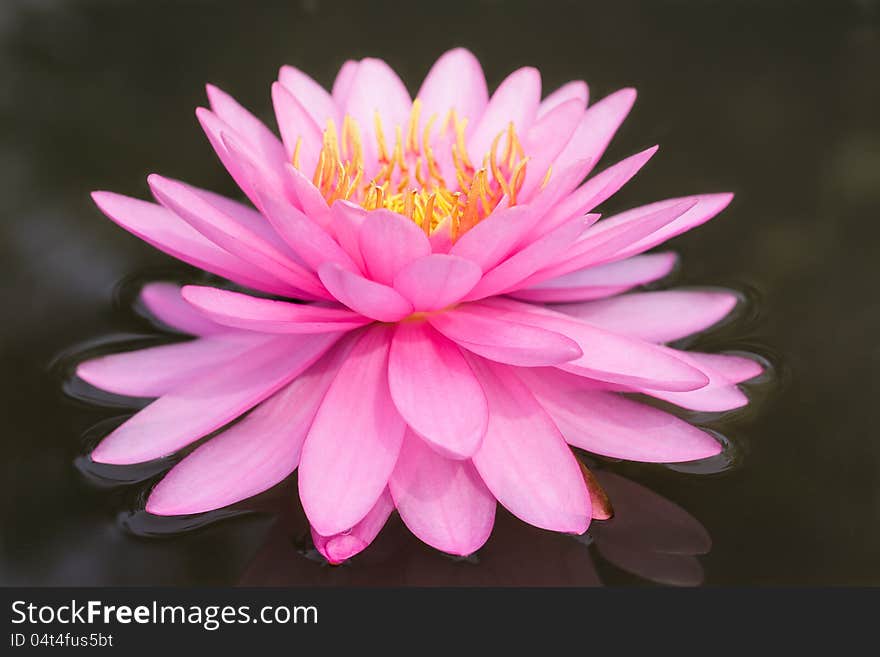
{"x": 251, "y": 129}
{"x": 346, "y": 221}
{"x": 342, "y": 83}
{"x": 735, "y": 369}
{"x": 196, "y": 409}
{"x": 375, "y": 87}
{"x": 354, "y": 441}
{"x": 229, "y": 234}
{"x": 656, "y": 316}
{"x": 606, "y": 356}
{"x": 509, "y": 274}
{"x": 546, "y": 138}
{"x": 435, "y": 390}
{"x": 297, "y": 126}
{"x": 268, "y": 316}
{"x": 524, "y": 460}
{"x": 300, "y": 190}
{"x": 343, "y": 546}
{"x": 167, "y": 232}
{"x": 455, "y": 81}
{"x": 495, "y": 237}
{"x": 576, "y": 89}
{"x": 442, "y": 501}
{"x": 311, "y": 95}
{"x": 163, "y": 301}
{"x": 155, "y": 371}
{"x": 364, "y": 296}
{"x": 608, "y": 424}
{"x": 388, "y": 242}
{"x": 601, "y": 280}
{"x": 506, "y": 341}
{"x": 436, "y": 281}
{"x": 597, "y": 128}
{"x": 252, "y": 455}
{"x": 516, "y": 100}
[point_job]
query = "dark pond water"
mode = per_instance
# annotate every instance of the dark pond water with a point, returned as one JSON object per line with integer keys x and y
{"x": 776, "y": 101}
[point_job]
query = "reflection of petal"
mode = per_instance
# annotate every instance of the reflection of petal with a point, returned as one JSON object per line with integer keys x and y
{"x": 672, "y": 569}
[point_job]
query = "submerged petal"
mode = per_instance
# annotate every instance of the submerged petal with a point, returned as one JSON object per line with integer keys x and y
{"x": 344, "y": 545}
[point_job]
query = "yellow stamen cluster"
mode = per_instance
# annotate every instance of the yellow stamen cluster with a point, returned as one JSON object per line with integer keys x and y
{"x": 409, "y": 180}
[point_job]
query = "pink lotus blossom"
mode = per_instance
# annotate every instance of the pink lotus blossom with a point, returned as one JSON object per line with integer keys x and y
{"x": 458, "y": 325}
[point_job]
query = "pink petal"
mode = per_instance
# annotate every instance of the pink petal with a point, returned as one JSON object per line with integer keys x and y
{"x": 155, "y": 371}
{"x": 735, "y": 369}
{"x": 524, "y": 460}
{"x": 656, "y": 316}
{"x": 346, "y": 221}
{"x": 436, "y": 281}
{"x": 354, "y": 441}
{"x": 343, "y": 546}
{"x": 506, "y": 341}
{"x": 196, "y": 409}
{"x": 268, "y": 316}
{"x": 509, "y": 274}
{"x": 435, "y": 390}
{"x": 576, "y": 89}
{"x": 375, "y": 87}
{"x": 455, "y": 81}
{"x": 515, "y": 101}
{"x": 251, "y": 129}
{"x": 342, "y": 83}
{"x": 389, "y": 242}
{"x": 601, "y": 280}
{"x": 442, "y": 501}
{"x": 167, "y": 232}
{"x": 606, "y": 356}
{"x": 311, "y": 95}
{"x": 546, "y": 138}
{"x": 493, "y": 239}
{"x": 229, "y": 234}
{"x": 252, "y": 455}
{"x": 608, "y": 424}
{"x": 297, "y": 126}
{"x": 597, "y": 127}
{"x": 300, "y": 189}
{"x": 364, "y": 296}
{"x": 163, "y": 301}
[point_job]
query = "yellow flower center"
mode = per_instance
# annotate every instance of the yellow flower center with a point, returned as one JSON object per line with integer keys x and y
{"x": 409, "y": 179}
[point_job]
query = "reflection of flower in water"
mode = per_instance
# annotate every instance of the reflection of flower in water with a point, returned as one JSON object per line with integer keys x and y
{"x": 649, "y": 536}
{"x": 463, "y": 322}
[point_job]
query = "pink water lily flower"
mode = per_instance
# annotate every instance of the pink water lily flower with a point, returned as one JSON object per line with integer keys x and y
{"x": 458, "y": 323}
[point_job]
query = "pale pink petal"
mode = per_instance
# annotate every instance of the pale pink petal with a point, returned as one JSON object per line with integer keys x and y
{"x": 346, "y": 221}
{"x": 311, "y": 95}
{"x": 269, "y": 316}
{"x": 229, "y": 234}
{"x": 343, "y": 546}
{"x": 576, "y": 89}
{"x": 606, "y": 356}
{"x": 155, "y": 371}
{"x": 435, "y": 390}
{"x": 495, "y": 237}
{"x": 597, "y": 127}
{"x": 545, "y": 139}
{"x": 388, "y": 242}
{"x": 602, "y": 280}
{"x": 455, "y": 81}
{"x": 656, "y": 316}
{"x": 364, "y": 296}
{"x": 442, "y": 501}
{"x": 541, "y": 205}
{"x": 299, "y": 188}
{"x": 251, "y": 129}
{"x": 608, "y": 424}
{"x": 297, "y": 127}
{"x": 492, "y": 336}
{"x": 164, "y": 303}
{"x": 598, "y": 188}
{"x": 196, "y": 409}
{"x": 524, "y": 460}
{"x": 515, "y": 101}
{"x": 436, "y": 281}
{"x": 735, "y": 369}
{"x": 375, "y": 87}
{"x": 354, "y": 440}
{"x": 537, "y": 255}
{"x": 252, "y": 455}
{"x": 342, "y": 83}
{"x": 167, "y": 232}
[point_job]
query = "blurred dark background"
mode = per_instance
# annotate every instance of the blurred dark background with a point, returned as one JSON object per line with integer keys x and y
{"x": 776, "y": 101}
